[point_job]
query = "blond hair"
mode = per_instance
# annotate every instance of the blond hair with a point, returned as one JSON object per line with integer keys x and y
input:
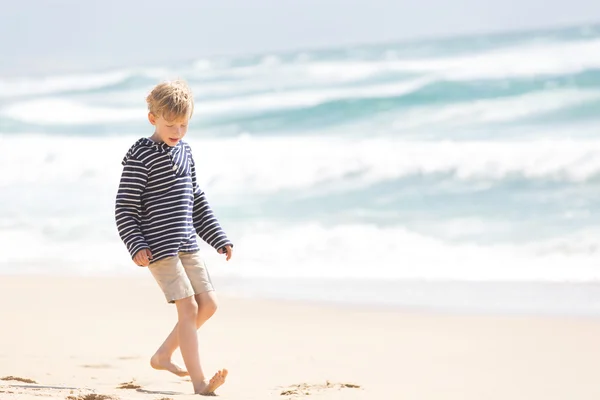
{"x": 171, "y": 100}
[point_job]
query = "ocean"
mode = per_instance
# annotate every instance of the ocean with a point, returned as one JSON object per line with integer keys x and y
{"x": 377, "y": 173}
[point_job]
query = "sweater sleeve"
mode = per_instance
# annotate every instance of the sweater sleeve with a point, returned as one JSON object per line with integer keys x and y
{"x": 128, "y": 207}
{"x": 205, "y": 222}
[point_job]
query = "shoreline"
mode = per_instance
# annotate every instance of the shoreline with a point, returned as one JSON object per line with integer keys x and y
{"x": 499, "y": 298}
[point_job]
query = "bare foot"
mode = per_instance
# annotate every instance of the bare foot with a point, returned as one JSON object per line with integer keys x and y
{"x": 162, "y": 364}
{"x": 215, "y": 382}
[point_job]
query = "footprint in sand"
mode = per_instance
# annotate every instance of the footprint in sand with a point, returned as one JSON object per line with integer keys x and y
{"x": 126, "y": 358}
{"x": 305, "y": 389}
{"x": 129, "y": 385}
{"x": 92, "y": 396}
{"x": 17, "y": 379}
{"x": 97, "y": 366}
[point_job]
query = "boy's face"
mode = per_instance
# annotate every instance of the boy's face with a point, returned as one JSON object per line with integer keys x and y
{"x": 168, "y": 131}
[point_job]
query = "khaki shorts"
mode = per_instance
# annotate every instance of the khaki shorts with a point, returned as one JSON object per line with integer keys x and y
{"x": 181, "y": 276}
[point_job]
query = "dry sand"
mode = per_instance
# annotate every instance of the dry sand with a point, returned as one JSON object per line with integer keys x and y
{"x": 86, "y": 338}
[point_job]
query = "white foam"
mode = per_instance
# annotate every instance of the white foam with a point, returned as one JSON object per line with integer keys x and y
{"x": 520, "y": 60}
{"x": 366, "y": 251}
{"x": 249, "y": 165}
{"x": 45, "y": 85}
{"x": 523, "y": 60}
{"x": 272, "y": 165}
{"x": 313, "y": 250}
{"x": 60, "y": 111}
{"x": 502, "y": 109}
{"x": 308, "y": 97}
{"x": 54, "y": 111}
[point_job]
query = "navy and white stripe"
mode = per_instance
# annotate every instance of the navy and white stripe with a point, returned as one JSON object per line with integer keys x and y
{"x": 159, "y": 205}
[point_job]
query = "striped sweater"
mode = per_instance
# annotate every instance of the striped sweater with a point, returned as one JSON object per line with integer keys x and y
{"x": 159, "y": 205}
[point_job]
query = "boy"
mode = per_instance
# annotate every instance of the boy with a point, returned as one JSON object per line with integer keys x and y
{"x": 159, "y": 209}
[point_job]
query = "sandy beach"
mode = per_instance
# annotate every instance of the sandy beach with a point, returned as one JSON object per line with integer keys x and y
{"x": 91, "y": 338}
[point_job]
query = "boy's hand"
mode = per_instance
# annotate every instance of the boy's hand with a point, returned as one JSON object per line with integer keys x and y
{"x": 143, "y": 257}
{"x": 227, "y": 250}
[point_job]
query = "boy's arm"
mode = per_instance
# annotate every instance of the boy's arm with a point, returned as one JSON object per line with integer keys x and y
{"x": 205, "y": 222}
{"x": 128, "y": 207}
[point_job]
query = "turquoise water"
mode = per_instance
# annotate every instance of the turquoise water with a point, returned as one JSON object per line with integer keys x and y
{"x": 466, "y": 159}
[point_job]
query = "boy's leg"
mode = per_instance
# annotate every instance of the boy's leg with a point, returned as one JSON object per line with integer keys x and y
{"x": 183, "y": 337}
{"x": 198, "y": 277}
{"x": 207, "y": 306}
{"x": 187, "y": 312}
{"x": 205, "y": 297}
{"x": 161, "y": 360}
{"x": 171, "y": 278}
{"x": 197, "y": 273}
